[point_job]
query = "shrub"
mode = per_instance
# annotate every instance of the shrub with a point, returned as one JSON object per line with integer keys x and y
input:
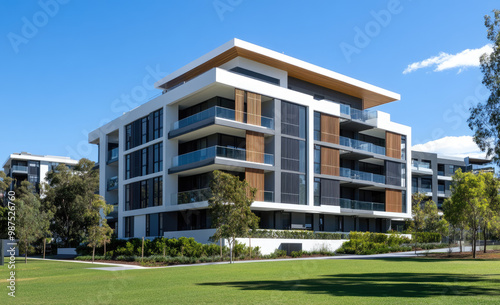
{"x": 373, "y": 243}
{"x": 296, "y": 234}
{"x": 296, "y": 254}
{"x": 427, "y": 237}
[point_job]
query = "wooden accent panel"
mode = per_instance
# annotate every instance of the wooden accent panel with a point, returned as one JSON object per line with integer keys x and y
{"x": 392, "y": 145}
{"x": 393, "y": 201}
{"x": 255, "y": 146}
{"x": 239, "y": 105}
{"x": 330, "y": 129}
{"x": 330, "y": 160}
{"x": 254, "y": 108}
{"x": 255, "y": 178}
{"x": 370, "y": 98}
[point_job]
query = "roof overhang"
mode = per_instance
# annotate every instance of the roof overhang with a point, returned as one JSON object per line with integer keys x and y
{"x": 371, "y": 95}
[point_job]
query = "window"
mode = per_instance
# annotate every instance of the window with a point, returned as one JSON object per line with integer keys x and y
{"x": 127, "y": 167}
{"x": 127, "y": 198}
{"x": 293, "y": 120}
{"x": 128, "y": 136}
{"x": 293, "y": 188}
{"x": 144, "y": 161}
{"x": 129, "y": 226}
{"x": 321, "y": 222}
{"x": 317, "y": 192}
{"x": 441, "y": 169}
{"x": 403, "y": 147}
{"x": 153, "y": 224}
{"x": 403, "y": 201}
{"x": 317, "y": 126}
{"x": 317, "y": 159}
{"x": 158, "y": 124}
{"x": 158, "y": 157}
{"x": 144, "y": 194}
{"x": 157, "y": 191}
{"x": 293, "y": 155}
{"x": 144, "y": 130}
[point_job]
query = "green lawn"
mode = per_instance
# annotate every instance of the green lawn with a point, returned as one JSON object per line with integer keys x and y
{"x": 388, "y": 281}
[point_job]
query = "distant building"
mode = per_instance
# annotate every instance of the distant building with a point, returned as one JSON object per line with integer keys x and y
{"x": 32, "y": 168}
{"x": 431, "y": 173}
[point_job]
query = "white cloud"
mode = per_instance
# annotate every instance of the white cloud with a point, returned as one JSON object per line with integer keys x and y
{"x": 444, "y": 61}
{"x": 460, "y": 147}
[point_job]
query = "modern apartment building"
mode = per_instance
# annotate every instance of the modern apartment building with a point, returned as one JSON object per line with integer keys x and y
{"x": 306, "y": 137}
{"x": 33, "y": 168}
{"x": 431, "y": 174}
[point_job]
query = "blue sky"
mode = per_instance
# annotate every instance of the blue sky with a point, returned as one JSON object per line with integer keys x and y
{"x": 67, "y": 67}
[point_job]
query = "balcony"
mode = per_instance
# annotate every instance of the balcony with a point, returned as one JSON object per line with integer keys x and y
{"x": 19, "y": 169}
{"x": 361, "y": 205}
{"x": 113, "y": 155}
{"x": 358, "y": 115}
{"x": 112, "y": 183}
{"x": 205, "y": 194}
{"x": 358, "y": 175}
{"x": 362, "y": 145}
{"x": 223, "y": 113}
{"x": 222, "y": 152}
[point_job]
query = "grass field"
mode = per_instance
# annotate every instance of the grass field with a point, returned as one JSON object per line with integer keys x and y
{"x": 382, "y": 281}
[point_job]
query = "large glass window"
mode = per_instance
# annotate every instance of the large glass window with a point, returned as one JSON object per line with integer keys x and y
{"x": 127, "y": 198}
{"x": 403, "y": 147}
{"x": 144, "y": 130}
{"x": 127, "y": 166}
{"x": 293, "y": 155}
{"x": 157, "y": 191}
{"x": 144, "y": 194}
{"x": 441, "y": 169}
{"x": 317, "y": 191}
{"x": 153, "y": 224}
{"x": 293, "y": 120}
{"x": 293, "y": 188}
{"x": 129, "y": 226}
{"x": 317, "y": 126}
{"x": 317, "y": 159}
{"x": 158, "y": 157}
{"x": 158, "y": 124}
{"x": 144, "y": 161}
{"x": 128, "y": 136}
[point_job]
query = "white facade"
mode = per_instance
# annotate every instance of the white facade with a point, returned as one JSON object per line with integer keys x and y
{"x": 220, "y": 81}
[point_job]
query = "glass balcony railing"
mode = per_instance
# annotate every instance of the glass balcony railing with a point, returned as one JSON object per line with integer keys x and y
{"x": 19, "y": 168}
{"x": 362, "y": 145}
{"x": 224, "y": 113}
{"x": 113, "y": 155}
{"x": 354, "y": 174}
{"x": 361, "y": 205}
{"x": 422, "y": 190}
{"x": 112, "y": 183}
{"x": 356, "y": 114}
{"x": 223, "y": 152}
{"x": 204, "y": 195}
{"x": 420, "y": 165}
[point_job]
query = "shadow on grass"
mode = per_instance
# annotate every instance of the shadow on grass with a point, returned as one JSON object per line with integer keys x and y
{"x": 411, "y": 285}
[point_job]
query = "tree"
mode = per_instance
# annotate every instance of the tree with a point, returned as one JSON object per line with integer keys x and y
{"x": 98, "y": 231}
{"x": 417, "y": 223}
{"x": 32, "y": 222}
{"x": 455, "y": 217}
{"x": 484, "y": 119}
{"x": 230, "y": 208}
{"x": 69, "y": 194}
{"x": 491, "y": 214}
{"x": 5, "y": 182}
{"x": 468, "y": 198}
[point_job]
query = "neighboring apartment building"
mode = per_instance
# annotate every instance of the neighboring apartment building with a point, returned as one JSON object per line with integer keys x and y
{"x": 33, "y": 168}
{"x": 304, "y": 136}
{"x": 431, "y": 174}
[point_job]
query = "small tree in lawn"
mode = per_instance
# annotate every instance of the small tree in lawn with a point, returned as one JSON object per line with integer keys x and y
{"x": 417, "y": 223}
{"x": 468, "y": 200}
{"x": 230, "y": 208}
{"x": 32, "y": 223}
{"x": 491, "y": 215}
{"x": 98, "y": 230}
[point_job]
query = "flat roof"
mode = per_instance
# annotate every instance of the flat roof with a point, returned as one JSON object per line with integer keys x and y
{"x": 371, "y": 95}
{"x": 27, "y": 156}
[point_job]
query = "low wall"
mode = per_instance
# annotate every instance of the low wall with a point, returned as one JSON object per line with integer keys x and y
{"x": 66, "y": 251}
{"x": 6, "y": 247}
{"x": 269, "y": 245}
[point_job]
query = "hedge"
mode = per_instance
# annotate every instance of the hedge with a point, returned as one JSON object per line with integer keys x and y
{"x": 427, "y": 237}
{"x": 297, "y": 234}
{"x": 374, "y": 243}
